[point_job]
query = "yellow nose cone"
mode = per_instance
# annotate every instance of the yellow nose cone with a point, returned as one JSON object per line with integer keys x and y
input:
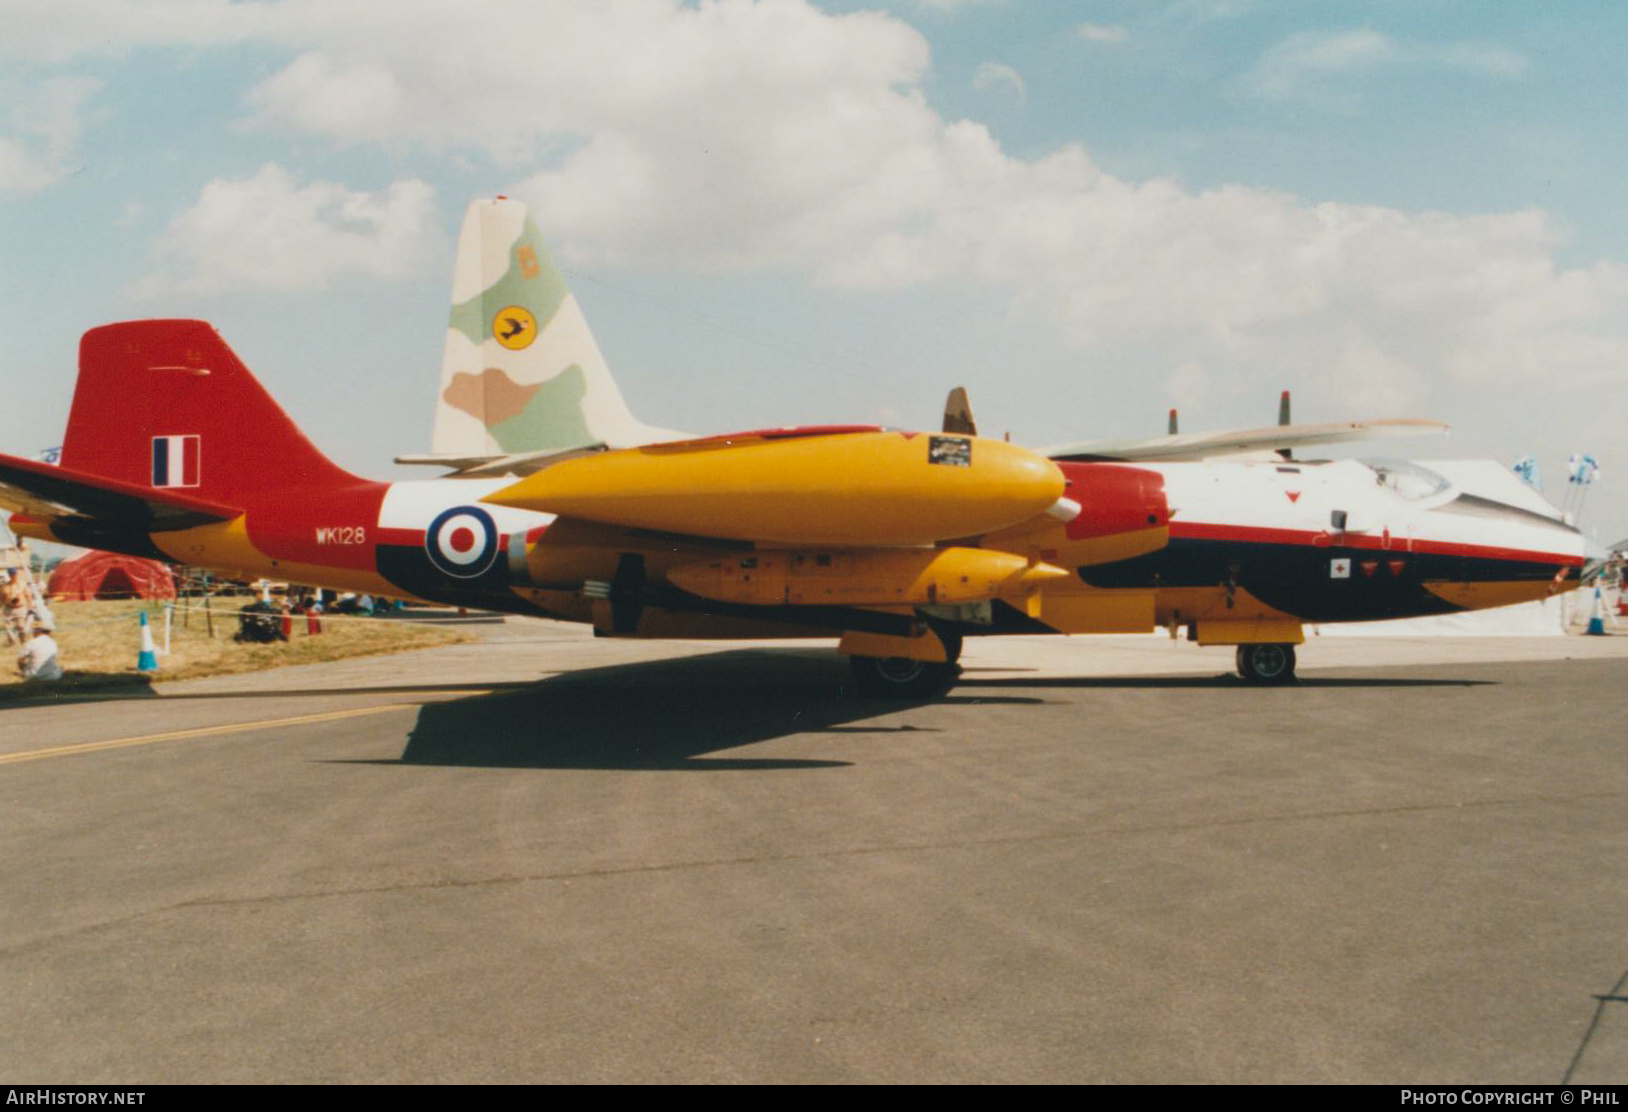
{"x": 864, "y": 488}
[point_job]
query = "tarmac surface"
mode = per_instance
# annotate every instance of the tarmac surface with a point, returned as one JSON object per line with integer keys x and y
{"x": 548, "y": 858}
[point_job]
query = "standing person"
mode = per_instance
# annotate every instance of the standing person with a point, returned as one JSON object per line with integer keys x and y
{"x": 39, "y": 659}
{"x": 14, "y": 600}
{"x": 39, "y": 611}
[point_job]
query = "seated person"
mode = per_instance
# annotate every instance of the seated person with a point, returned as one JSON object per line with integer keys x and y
{"x": 39, "y": 660}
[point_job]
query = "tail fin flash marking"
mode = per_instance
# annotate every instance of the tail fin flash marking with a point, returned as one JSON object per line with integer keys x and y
{"x": 175, "y": 461}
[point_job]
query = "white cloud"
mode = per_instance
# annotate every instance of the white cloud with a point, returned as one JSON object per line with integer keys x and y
{"x": 1098, "y": 32}
{"x": 268, "y": 232}
{"x": 514, "y": 80}
{"x": 1189, "y": 386}
{"x": 1303, "y": 64}
{"x": 1207, "y": 11}
{"x": 23, "y": 170}
{"x": 993, "y": 75}
{"x": 733, "y": 135}
{"x": 43, "y": 132}
{"x": 53, "y": 31}
{"x": 739, "y": 135}
{"x": 1483, "y": 58}
{"x": 316, "y": 94}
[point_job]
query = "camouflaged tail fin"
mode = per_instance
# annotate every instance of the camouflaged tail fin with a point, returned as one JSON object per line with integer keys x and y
{"x": 522, "y": 372}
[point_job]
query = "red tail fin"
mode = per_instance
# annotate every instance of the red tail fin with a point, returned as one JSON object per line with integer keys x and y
{"x": 165, "y": 404}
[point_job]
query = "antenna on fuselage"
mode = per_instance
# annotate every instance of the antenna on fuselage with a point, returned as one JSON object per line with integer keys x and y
{"x": 1283, "y": 419}
{"x": 958, "y": 413}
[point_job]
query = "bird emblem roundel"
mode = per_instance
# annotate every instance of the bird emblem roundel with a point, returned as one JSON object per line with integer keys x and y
{"x": 514, "y": 328}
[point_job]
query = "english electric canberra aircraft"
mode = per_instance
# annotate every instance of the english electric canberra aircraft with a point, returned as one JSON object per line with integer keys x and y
{"x": 560, "y": 504}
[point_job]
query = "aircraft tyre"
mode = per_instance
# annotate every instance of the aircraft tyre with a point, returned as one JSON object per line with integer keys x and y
{"x": 1266, "y": 664}
{"x": 898, "y": 677}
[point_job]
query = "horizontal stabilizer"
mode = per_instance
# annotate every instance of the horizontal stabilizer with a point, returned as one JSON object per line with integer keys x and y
{"x": 43, "y": 490}
{"x": 1207, "y": 445}
{"x": 518, "y": 465}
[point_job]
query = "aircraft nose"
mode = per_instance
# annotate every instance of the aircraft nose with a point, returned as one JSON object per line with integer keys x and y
{"x": 1509, "y": 554}
{"x": 1560, "y": 547}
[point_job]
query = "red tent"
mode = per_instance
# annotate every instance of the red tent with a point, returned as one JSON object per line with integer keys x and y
{"x": 108, "y": 575}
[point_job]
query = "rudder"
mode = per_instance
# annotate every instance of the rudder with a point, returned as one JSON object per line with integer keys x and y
{"x": 166, "y": 404}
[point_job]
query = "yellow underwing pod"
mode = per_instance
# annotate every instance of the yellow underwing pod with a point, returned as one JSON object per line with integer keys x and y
{"x": 868, "y": 577}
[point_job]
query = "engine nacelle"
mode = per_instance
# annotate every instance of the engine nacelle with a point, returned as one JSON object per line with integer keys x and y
{"x": 1123, "y": 514}
{"x": 858, "y": 488}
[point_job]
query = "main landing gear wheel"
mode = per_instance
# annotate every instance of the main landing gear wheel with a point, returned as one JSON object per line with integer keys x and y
{"x": 1266, "y": 663}
{"x": 898, "y": 677}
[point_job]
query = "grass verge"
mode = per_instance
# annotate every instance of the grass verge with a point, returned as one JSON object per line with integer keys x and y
{"x": 99, "y": 642}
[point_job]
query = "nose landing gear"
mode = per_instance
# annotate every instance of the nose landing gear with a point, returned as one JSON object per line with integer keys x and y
{"x": 1266, "y": 664}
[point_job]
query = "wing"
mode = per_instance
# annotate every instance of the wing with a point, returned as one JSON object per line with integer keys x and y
{"x": 1206, "y": 445}
{"x": 43, "y": 490}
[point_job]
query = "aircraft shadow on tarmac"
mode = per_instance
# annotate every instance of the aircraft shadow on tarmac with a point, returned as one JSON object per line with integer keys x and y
{"x": 120, "y": 686}
{"x": 1216, "y": 682}
{"x": 660, "y": 715}
{"x": 77, "y": 687}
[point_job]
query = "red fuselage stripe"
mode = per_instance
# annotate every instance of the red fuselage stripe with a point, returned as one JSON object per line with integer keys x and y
{"x": 411, "y": 538}
{"x": 1252, "y": 534}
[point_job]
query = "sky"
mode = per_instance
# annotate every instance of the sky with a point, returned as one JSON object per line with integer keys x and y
{"x": 784, "y": 212}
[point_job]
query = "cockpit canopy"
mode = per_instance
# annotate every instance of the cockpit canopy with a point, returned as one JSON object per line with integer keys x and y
{"x": 1407, "y": 480}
